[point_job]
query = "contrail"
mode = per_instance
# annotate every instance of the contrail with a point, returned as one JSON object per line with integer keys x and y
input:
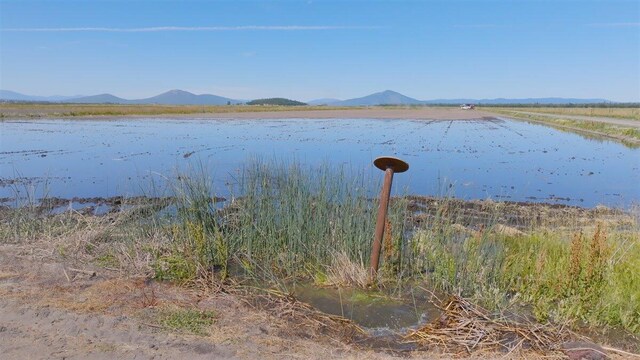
{"x": 195, "y": 28}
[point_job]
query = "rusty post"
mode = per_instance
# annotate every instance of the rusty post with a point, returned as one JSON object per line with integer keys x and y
{"x": 389, "y": 165}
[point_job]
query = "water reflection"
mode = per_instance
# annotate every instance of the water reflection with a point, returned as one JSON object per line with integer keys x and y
{"x": 498, "y": 159}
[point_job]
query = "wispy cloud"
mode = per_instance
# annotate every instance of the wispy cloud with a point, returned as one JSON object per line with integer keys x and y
{"x": 195, "y": 28}
{"x": 479, "y": 26}
{"x": 615, "y": 24}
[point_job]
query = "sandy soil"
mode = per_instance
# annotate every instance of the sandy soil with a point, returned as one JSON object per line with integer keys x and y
{"x": 49, "y": 311}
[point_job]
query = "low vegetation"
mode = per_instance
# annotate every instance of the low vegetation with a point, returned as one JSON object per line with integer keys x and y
{"x": 582, "y": 276}
{"x": 276, "y": 102}
{"x": 627, "y": 135}
{"x": 632, "y": 111}
{"x": 289, "y": 223}
{"x": 190, "y": 321}
{"x": 30, "y": 110}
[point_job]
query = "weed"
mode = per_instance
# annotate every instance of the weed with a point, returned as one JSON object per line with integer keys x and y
{"x": 189, "y": 321}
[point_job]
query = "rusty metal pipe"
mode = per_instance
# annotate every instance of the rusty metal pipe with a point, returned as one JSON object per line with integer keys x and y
{"x": 390, "y": 166}
{"x": 380, "y": 223}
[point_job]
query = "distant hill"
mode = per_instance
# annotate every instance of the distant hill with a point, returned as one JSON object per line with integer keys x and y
{"x": 499, "y": 101}
{"x": 386, "y": 97}
{"x": 276, "y": 101}
{"x": 172, "y": 97}
{"x": 180, "y": 97}
{"x": 389, "y": 97}
{"x": 325, "y": 101}
{"x": 98, "y": 99}
{"x": 12, "y": 95}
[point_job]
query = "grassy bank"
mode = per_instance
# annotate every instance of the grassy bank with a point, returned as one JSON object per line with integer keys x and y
{"x": 610, "y": 112}
{"x": 587, "y": 277}
{"x": 20, "y": 110}
{"x": 291, "y": 223}
{"x": 626, "y": 135}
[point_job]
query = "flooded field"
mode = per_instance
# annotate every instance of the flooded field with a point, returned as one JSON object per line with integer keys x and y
{"x": 471, "y": 159}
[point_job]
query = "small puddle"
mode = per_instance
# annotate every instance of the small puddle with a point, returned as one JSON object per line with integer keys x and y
{"x": 385, "y": 319}
{"x": 371, "y": 310}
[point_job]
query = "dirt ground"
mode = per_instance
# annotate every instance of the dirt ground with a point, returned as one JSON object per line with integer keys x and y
{"x": 49, "y": 310}
{"x": 52, "y": 310}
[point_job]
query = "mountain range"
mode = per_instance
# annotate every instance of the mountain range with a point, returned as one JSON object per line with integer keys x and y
{"x": 389, "y": 97}
{"x": 180, "y": 97}
{"x": 12, "y": 95}
{"x": 171, "y": 97}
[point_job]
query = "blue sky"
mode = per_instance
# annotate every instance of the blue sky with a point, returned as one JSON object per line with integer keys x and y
{"x": 315, "y": 49}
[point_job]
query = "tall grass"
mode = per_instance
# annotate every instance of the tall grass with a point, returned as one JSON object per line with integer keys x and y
{"x": 285, "y": 218}
{"x": 591, "y": 277}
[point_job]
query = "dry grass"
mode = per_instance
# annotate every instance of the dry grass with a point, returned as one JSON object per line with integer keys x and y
{"x": 345, "y": 272}
{"x": 621, "y": 113}
{"x": 18, "y": 110}
{"x": 301, "y": 318}
{"x": 464, "y": 328}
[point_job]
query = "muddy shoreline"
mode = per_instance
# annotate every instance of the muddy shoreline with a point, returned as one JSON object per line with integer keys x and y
{"x": 468, "y": 213}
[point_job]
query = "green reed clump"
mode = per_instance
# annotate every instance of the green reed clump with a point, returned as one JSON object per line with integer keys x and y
{"x": 197, "y": 245}
{"x": 454, "y": 258}
{"x": 294, "y": 219}
{"x": 285, "y": 219}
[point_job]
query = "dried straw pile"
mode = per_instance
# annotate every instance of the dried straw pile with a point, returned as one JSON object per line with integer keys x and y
{"x": 464, "y": 327}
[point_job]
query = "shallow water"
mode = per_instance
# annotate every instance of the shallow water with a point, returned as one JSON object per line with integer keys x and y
{"x": 500, "y": 159}
{"x": 372, "y": 311}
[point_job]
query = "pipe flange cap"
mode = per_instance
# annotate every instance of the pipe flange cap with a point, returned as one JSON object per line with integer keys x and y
{"x": 385, "y": 162}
